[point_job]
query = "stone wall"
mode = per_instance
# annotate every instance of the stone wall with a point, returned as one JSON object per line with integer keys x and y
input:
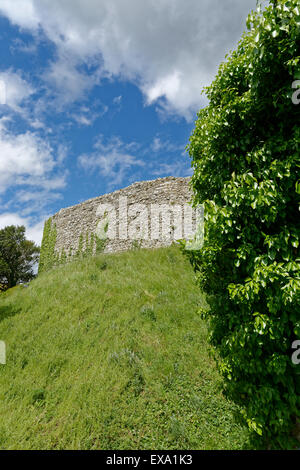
{"x": 74, "y": 225}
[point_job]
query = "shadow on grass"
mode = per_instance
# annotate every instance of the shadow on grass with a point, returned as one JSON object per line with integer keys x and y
{"x": 8, "y": 311}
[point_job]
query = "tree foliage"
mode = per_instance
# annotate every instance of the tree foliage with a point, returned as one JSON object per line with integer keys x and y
{"x": 17, "y": 256}
{"x": 245, "y": 154}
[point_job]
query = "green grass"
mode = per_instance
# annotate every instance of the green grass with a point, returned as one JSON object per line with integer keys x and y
{"x": 110, "y": 353}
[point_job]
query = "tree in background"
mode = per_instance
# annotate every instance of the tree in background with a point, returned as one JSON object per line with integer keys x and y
{"x": 17, "y": 256}
{"x": 245, "y": 151}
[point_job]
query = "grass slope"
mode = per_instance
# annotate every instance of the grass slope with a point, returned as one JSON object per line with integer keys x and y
{"x": 109, "y": 353}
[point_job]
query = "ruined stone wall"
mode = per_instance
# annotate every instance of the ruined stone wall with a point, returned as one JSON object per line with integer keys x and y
{"x": 75, "y": 225}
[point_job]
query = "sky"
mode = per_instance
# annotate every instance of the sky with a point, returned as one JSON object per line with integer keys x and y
{"x": 96, "y": 95}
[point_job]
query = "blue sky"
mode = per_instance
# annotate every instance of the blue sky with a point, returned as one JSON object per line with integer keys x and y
{"x": 95, "y": 95}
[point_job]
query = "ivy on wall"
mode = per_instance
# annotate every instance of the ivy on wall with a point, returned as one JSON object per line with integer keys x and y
{"x": 87, "y": 246}
{"x": 48, "y": 257}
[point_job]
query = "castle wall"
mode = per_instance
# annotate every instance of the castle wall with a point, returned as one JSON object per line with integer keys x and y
{"x": 149, "y": 213}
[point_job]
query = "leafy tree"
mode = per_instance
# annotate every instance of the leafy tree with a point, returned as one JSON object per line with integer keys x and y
{"x": 245, "y": 151}
{"x": 17, "y": 256}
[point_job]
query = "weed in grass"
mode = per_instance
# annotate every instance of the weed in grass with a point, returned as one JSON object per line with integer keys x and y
{"x": 148, "y": 313}
{"x": 38, "y": 396}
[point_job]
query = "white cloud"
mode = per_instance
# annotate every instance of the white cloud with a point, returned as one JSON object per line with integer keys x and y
{"x": 26, "y": 159}
{"x": 176, "y": 168}
{"x": 169, "y": 48}
{"x": 34, "y": 231}
{"x": 112, "y": 160}
{"x": 18, "y": 45}
{"x": 158, "y": 145}
{"x": 27, "y": 202}
{"x": 68, "y": 83}
{"x": 83, "y": 120}
{"x": 17, "y": 90}
{"x": 20, "y": 12}
{"x": 85, "y": 116}
{"x": 117, "y": 100}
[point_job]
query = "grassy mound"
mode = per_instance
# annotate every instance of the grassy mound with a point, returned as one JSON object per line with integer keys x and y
{"x": 109, "y": 353}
